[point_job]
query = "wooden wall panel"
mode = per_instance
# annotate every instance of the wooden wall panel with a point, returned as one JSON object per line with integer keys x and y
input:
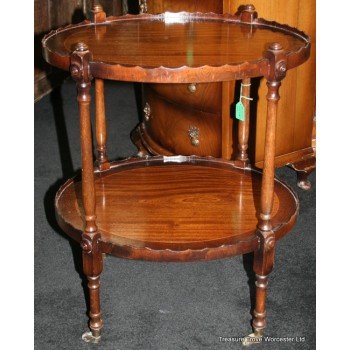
{"x": 296, "y": 107}
{"x": 306, "y": 76}
{"x": 294, "y": 125}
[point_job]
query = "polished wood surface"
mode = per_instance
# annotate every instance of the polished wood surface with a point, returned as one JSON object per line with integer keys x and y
{"x": 184, "y": 5}
{"x": 166, "y": 41}
{"x": 171, "y": 135}
{"x": 101, "y": 127}
{"x": 295, "y": 120}
{"x": 177, "y": 124}
{"x": 160, "y": 205}
{"x": 92, "y": 255}
{"x": 180, "y": 47}
{"x": 243, "y": 125}
{"x": 177, "y": 208}
{"x": 294, "y": 133}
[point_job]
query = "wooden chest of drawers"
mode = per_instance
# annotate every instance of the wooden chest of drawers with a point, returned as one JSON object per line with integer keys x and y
{"x": 205, "y": 110}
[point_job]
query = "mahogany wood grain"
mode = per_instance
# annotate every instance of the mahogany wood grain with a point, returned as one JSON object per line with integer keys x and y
{"x": 174, "y": 110}
{"x": 227, "y": 97}
{"x": 202, "y": 99}
{"x": 99, "y": 16}
{"x": 176, "y": 207}
{"x": 293, "y": 139}
{"x": 153, "y": 138}
{"x": 101, "y": 129}
{"x": 160, "y": 48}
{"x": 243, "y": 125}
{"x": 295, "y": 119}
{"x": 92, "y": 255}
{"x": 226, "y": 121}
{"x": 264, "y": 255}
{"x": 181, "y": 5}
{"x": 177, "y": 118}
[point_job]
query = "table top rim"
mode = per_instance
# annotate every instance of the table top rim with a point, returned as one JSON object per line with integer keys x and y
{"x": 246, "y": 242}
{"x": 164, "y": 74}
{"x": 187, "y": 17}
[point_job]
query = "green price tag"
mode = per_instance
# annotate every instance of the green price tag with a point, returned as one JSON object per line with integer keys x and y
{"x": 240, "y": 111}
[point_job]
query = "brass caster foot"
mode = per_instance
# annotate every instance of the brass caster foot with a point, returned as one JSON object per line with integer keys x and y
{"x": 304, "y": 185}
{"x": 253, "y": 338}
{"x": 90, "y": 338}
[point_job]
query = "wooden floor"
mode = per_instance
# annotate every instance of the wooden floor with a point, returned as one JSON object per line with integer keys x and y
{"x": 175, "y": 206}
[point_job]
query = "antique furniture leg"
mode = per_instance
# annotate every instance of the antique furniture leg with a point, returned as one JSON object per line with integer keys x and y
{"x": 304, "y": 168}
{"x": 264, "y": 255}
{"x": 302, "y": 180}
{"x": 243, "y": 126}
{"x": 90, "y": 242}
{"x": 98, "y": 15}
{"x": 101, "y": 132}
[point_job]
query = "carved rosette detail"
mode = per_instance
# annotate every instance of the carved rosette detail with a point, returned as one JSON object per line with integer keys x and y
{"x": 270, "y": 242}
{"x": 89, "y": 244}
{"x": 281, "y": 69}
{"x": 267, "y": 240}
{"x": 277, "y": 62}
{"x": 86, "y": 245}
{"x": 80, "y": 68}
{"x": 75, "y": 71}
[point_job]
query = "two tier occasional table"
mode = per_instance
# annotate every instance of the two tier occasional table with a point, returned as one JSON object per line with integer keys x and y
{"x": 178, "y": 208}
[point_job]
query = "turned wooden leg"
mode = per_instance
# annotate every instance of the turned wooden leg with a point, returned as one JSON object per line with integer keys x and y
{"x": 264, "y": 255}
{"x": 90, "y": 242}
{"x": 92, "y": 267}
{"x": 92, "y": 262}
{"x": 101, "y": 130}
{"x": 98, "y": 16}
{"x": 263, "y": 265}
{"x": 243, "y": 126}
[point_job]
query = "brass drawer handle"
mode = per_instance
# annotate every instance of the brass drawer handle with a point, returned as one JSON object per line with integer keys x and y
{"x": 147, "y": 111}
{"x": 192, "y": 87}
{"x": 193, "y": 133}
{"x": 143, "y": 6}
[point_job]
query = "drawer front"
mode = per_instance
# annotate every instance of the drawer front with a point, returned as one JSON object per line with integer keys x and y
{"x": 203, "y": 97}
{"x": 181, "y": 130}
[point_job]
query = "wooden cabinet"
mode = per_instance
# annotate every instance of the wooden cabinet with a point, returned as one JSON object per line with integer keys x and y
{"x": 208, "y": 107}
{"x": 191, "y": 118}
{"x": 295, "y": 120}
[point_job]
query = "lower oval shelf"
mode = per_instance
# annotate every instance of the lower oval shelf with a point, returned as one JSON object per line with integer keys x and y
{"x": 176, "y": 208}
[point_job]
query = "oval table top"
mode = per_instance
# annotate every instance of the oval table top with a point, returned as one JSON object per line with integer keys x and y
{"x": 176, "y": 47}
{"x": 180, "y": 208}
